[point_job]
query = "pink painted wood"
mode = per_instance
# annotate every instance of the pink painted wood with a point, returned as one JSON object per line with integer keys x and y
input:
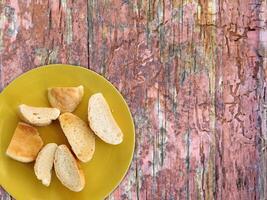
{"x": 193, "y": 73}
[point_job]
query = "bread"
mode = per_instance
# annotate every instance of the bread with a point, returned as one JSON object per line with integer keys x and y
{"x": 79, "y": 135}
{"x": 66, "y": 99}
{"x": 101, "y": 120}
{"x": 39, "y": 116}
{"x": 67, "y": 169}
{"x": 25, "y": 143}
{"x": 44, "y": 163}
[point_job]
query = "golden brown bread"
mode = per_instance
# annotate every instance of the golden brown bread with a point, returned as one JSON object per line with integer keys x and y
{"x": 25, "y": 143}
{"x": 66, "y": 99}
{"x": 79, "y": 135}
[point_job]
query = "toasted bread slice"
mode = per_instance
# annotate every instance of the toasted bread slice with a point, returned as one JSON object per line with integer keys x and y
{"x": 66, "y": 99}
{"x": 25, "y": 143}
{"x": 79, "y": 135}
{"x": 67, "y": 169}
{"x": 39, "y": 116}
{"x": 44, "y": 163}
{"x": 101, "y": 120}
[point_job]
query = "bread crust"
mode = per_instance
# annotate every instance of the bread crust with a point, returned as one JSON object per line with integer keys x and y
{"x": 75, "y": 183}
{"x": 101, "y": 120}
{"x": 79, "y": 135}
{"x": 25, "y": 143}
{"x": 38, "y": 116}
{"x": 66, "y": 99}
{"x": 44, "y": 163}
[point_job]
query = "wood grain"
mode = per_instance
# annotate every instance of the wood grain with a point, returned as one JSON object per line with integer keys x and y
{"x": 192, "y": 71}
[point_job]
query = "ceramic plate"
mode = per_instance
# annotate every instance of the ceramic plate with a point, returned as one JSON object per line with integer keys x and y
{"x": 109, "y": 164}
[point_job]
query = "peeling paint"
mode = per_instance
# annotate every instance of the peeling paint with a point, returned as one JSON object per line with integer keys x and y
{"x": 193, "y": 73}
{"x": 69, "y": 34}
{"x": 27, "y": 21}
{"x": 2, "y": 24}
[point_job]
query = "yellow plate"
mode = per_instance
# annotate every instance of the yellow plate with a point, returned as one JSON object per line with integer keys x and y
{"x": 109, "y": 164}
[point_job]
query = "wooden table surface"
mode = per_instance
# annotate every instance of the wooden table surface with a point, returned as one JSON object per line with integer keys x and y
{"x": 192, "y": 71}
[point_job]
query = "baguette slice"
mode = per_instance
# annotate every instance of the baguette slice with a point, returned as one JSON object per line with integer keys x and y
{"x": 39, "y": 116}
{"x": 67, "y": 169}
{"x": 79, "y": 135}
{"x": 25, "y": 143}
{"x": 66, "y": 99}
{"x": 101, "y": 120}
{"x": 44, "y": 163}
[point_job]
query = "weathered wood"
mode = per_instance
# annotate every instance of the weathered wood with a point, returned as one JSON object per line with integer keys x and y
{"x": 238, "y": 101}
{"x": 193, "y": 73}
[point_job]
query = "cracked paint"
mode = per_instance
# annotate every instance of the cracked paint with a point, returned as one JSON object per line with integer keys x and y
{"x": 192, "y": 71}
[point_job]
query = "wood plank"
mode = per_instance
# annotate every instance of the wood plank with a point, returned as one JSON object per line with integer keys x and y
{"x": 192, "y": 72}
{"x": 238, "y": 128}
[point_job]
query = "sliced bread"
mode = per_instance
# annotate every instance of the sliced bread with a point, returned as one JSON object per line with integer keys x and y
{"x": 67, "y": 169}
{"x": 79, "y": 135}
{"x": 102, "y": 121}
{"x": 44, "y": 163}
{"x": 25, "y": 143}
{"x": 39, "y": 116}
{"x": 66, "y": 99}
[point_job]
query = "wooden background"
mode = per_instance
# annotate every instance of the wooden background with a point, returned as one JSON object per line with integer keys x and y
{"x": 192, "y": 71}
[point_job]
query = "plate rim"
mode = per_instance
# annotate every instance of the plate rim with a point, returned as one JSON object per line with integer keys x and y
{"x": 108, "y": 82}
